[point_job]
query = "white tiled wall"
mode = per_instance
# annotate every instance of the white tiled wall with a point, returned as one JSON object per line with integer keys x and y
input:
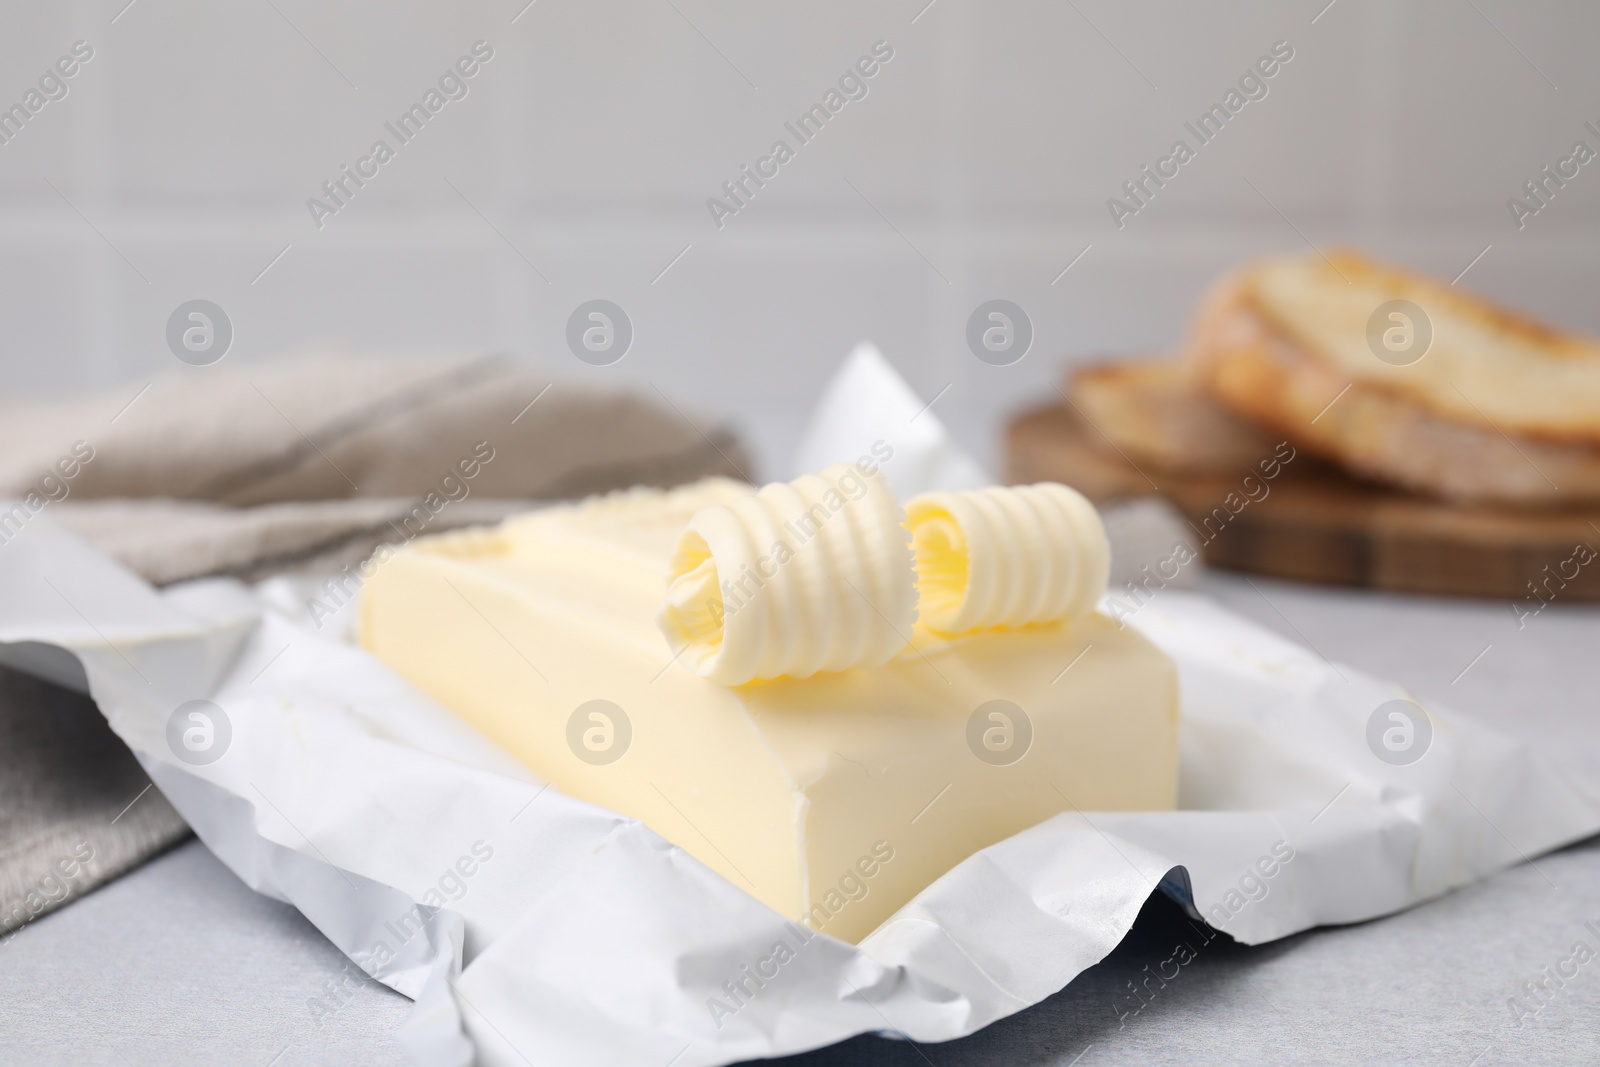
{"x": 187, "y": 148}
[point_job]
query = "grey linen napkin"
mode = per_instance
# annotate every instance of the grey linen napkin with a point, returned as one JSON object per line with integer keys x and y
{"x": 76, "y": 809}
{"x": 302, "y": 466}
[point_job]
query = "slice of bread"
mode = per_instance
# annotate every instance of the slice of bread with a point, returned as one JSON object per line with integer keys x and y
{"x": 1496, "y": 409}
{"x": 1154, "y": 413}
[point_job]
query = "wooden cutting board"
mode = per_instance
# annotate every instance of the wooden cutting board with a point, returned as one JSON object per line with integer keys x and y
{"x": 1313, "y": 523}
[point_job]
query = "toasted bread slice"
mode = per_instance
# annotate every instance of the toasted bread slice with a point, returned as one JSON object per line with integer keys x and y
{"x": 1154, "y": 413}
{"x": 1498, "y": 409}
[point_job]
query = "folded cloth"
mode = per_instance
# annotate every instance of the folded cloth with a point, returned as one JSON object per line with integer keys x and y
{"x": 76, "y": 809}
{"x": 247, "y": 470}
{"x": 327, "y": 427}
{"x": 303, "y": 466}
{"x": 166, "y": 541}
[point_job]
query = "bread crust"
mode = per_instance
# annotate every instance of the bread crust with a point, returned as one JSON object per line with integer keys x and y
{"x": 1155, "y": 413}
{"x": 1385, "y": 427}
{"x": 1487, "y": 366}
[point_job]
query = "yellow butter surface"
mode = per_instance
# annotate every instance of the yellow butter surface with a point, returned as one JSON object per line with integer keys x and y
{"x": 833, "y": 798}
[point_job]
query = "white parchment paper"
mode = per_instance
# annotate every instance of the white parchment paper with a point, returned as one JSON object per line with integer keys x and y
{"x": 531, "y": 927}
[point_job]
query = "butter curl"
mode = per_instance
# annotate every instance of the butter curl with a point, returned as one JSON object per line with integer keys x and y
{"x": 1007, "y": 556}
{"x": 803, "y": 576}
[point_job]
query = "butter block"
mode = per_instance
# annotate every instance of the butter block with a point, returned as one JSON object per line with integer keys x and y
{"x": 833, "y": 798}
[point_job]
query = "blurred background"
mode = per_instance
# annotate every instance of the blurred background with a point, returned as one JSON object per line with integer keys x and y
{"x": 578, "y": 165}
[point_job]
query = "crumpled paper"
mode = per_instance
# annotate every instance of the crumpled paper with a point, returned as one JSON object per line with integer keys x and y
{"x": 529, "y": 926}
{"x": 867, "y": 403}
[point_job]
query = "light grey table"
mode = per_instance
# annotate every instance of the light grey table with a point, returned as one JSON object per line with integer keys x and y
{"x": 179, "y": 963}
